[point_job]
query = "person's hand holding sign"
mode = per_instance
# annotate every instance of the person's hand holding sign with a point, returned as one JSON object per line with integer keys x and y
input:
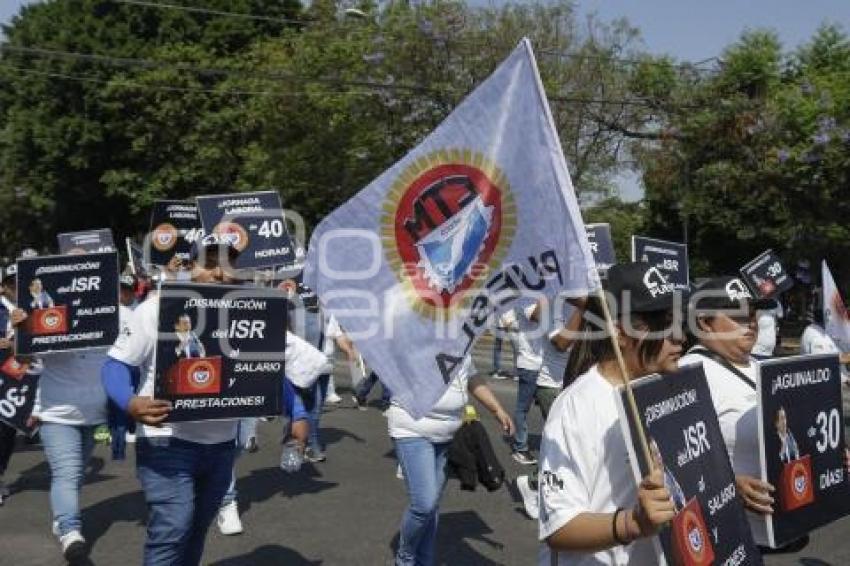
{"x": 149, "y": 411}
{"x": 17, "y": 316}
{"x": 755, "y": 493}
{"x": 654, "y": 507}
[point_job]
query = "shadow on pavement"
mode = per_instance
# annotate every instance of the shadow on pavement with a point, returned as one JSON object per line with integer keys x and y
{"x": 37, "y": 478}
{"x": 129, "y": 507}
{"x": 269, "y": 555}
{"x": 265, "y": 483}
{"x": 333, "y": 435}
{"x": 455, "y": 532}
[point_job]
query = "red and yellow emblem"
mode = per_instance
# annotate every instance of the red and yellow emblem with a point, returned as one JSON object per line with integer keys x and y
{"x": 448, "y": 222}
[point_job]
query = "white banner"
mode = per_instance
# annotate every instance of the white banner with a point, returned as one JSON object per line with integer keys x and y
{"x": 480, "y": 214}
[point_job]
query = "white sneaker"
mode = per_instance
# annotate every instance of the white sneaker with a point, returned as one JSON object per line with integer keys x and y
{"x": 529, "y": 497}
{"x": 74, "y": 547}
{"x": 228, "y": 519}
{"x": 130, "y": 438}
{"x": 55, "y": 528}
{"x": 333, "y": 399}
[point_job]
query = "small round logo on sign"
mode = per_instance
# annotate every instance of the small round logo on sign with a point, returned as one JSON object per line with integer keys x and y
{"x": 51, "y": 320}
{"x": 801, "y": 482}
{"x": 164, "y": 237}
{"x": 694, "y": 534}
{"x": 200, "y": 374}
{"x": 233, "y": 233}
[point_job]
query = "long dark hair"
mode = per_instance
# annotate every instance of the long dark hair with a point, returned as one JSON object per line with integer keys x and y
{"x": 593, "y": 346}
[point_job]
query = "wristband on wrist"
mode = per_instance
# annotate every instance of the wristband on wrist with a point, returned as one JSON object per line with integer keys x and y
{"x": 617, "y": 539}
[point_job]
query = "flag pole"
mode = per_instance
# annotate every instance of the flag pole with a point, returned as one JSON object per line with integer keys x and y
{"x": 624, "y": 372}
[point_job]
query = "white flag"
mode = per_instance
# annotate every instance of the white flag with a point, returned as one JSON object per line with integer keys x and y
{"x": 480, "y": 214}
{"x": 835, "y": 317}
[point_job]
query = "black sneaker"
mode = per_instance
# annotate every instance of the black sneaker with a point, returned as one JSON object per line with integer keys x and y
{"x": 524, "y": 457}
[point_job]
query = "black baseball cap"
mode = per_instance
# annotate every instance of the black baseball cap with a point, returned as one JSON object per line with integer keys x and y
{"x": 646, "y": 288}
{"x": 127, "y": 281}
{"x": 726, "y": 293}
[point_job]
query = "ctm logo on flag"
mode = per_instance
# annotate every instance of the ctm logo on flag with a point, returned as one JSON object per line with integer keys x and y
{"x": 448, "y": 222}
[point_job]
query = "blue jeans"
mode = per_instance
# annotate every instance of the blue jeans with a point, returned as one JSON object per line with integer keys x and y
{"x": 424, "y": 466}
{"x": 67, "y": 449}
{"x": 320, "y": 393}
{"x": 524, "y": 399}
{"x": 246, "y": 428}
{"x": 184, "y": 484}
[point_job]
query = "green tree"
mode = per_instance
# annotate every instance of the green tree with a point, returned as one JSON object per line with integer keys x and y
{"x": 755, "y": 155}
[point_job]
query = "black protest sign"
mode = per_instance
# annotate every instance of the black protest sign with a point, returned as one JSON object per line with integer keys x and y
{"x": 253, "y": 222}
{"x": 670, "y": 257}
{"x": 766, "y": 276}
{"x": 89, "y": 241}
{"x": 71, "y": 302}
{"x": 220, "y": 351}
{"x": 175, "y": 225}
{"x": 677, "y": 413}
{"x": 18, "y": 386}
{"x": 601, "y": 245}
{"x": 801, "y": 433}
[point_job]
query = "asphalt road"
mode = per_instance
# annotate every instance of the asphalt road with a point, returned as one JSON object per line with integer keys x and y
{"x": 344, "y": 511}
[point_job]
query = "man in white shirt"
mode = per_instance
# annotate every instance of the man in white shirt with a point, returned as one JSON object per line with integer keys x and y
{"x": 184, "y": 468}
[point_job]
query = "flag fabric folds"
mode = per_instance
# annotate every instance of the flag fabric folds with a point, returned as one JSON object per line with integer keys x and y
{"x": 479, "y": 217}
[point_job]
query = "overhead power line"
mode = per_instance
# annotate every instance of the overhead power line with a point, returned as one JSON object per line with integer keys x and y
{"x": 454, "y": 40}
{"x": 277, "y": 75}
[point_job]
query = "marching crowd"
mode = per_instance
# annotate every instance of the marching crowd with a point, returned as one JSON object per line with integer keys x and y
{"x": 589, "y": 508}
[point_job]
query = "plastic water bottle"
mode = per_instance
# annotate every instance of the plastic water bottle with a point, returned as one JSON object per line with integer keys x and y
{"x": 291, "y": 457}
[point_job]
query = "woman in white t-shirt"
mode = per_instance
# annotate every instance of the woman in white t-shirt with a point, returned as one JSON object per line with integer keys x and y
{"x": 591, "y": 512}
{"x": 422, "y": 446}
{"x": 69, "y": 405}
{"x": 724, "y": 312}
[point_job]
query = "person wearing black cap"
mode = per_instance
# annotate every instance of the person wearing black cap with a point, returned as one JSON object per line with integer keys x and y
{"x": 184, "y": 468}
{"x": 722, "y": 316}
{"x": 590, "y": 511}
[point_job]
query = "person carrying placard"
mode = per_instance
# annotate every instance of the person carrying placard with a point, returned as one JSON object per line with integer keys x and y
{"x": 591, "y": 512}
{"x": 69, "y": 405}
{"x": 723, "y": 315}
{"x": 184, "y": 468}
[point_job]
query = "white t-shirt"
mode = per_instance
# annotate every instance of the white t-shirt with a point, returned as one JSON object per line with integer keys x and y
{"x": 815, "y": 340}
{"x": 766, "y": 341}
{"x": 441, "y": 423}
{"x": 331, "y": 333}
{"x": 736, "y": 404}
{"x": 136, "y": 346}
{"x": 554, "y": 362}
{"x": 584, "y": 468}
{"x": 525, "y": 336}
{"x": 70, "y": 390}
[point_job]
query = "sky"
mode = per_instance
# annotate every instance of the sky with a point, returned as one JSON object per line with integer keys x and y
{"x": 689, "y": 30}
